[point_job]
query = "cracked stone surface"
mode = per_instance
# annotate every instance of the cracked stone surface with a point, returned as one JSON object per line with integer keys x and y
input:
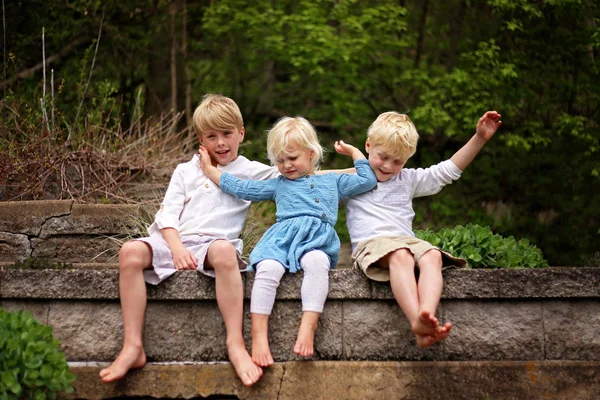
{"x": 14, "y": 247}
{"x": 352, "y": 380}
{"x": 27, "y": 217}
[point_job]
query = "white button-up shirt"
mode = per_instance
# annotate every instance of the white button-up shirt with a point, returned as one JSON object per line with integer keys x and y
{"x": 387, "y": 210}
{"x": 194, "y": 205}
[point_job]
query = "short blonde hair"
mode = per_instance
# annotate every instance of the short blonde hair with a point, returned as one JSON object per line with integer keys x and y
{"x": 296, "y": 132}
{"x": 395, "y": 133}
{"x": 217, "y": 113}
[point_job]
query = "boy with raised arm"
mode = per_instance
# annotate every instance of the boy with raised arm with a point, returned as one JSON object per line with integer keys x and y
{"x": 380, "y": 221}
{"x": 196, "y": 228}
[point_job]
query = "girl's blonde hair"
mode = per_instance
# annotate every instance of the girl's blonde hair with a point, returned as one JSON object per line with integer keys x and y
{"x": 295, "y": 132}
{"x": 217, "y": 113}
{"x": 394, "y": 133}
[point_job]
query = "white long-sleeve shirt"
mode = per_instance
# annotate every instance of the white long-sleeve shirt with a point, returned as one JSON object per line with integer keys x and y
{"x": 194, "y": 205}
{"x": 387, "y": 210}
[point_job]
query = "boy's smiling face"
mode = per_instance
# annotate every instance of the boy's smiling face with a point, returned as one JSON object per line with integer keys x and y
{"x": 222, "y": 146}
{"x": 383, "y": 163}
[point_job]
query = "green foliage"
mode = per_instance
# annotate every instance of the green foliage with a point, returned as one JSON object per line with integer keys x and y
{"x": 40, "y": 263}
{"x": 484, "y": 249}
{"x": 340, "y": 64}
{"x": 31, "y": 364}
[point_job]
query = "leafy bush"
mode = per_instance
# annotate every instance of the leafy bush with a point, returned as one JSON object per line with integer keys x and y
{"x": 484, "y": 249}
{"x": 31, "y": 365}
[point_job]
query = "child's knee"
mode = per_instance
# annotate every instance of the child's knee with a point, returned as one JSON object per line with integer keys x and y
{"x": 270, "y": 268}
{"x": 315, "y": 259}
{"x": 222, "y": 255}
{"x": 135, "y": 255}
{"x": 431, "y": 259}
{"x": 400, "y": 258}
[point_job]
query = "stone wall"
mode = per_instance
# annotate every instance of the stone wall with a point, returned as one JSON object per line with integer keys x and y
{"x": 549, "y": 314}
{"x": 516, "y": 333}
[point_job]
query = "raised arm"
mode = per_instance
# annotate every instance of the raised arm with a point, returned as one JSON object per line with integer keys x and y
{"x": 486, "y": 128}
{"x": 206, "y": 164}
{"x": 348, "y": 150}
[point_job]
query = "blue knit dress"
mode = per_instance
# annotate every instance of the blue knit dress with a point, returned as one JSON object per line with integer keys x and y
{"x": 307, "y": 210}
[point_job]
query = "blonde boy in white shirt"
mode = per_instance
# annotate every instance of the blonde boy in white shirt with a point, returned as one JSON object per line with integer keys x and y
{"x": 196, "y": 228}
{"x": 380, "y": 221}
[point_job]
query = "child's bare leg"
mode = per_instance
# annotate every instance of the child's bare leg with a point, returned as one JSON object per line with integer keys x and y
{"x": 134, "y": 257}
{"x": 431, "y": 284}
{"x": 261, "y": 352}
{"x": 222, "y": 257}
{"x": 404, "y": 287}
{"x": 266, "y": 281}
{"x": 305, "y": 343}
{"x": 315, "y": 286}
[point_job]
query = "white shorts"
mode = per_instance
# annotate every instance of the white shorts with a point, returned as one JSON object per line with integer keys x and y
{"x": 162, "y": 258}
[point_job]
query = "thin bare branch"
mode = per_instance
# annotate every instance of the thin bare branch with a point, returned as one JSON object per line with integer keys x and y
{"x": 52, "y": 98}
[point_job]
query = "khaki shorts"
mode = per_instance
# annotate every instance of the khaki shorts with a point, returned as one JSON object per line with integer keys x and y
{"x": 369, "y": 252}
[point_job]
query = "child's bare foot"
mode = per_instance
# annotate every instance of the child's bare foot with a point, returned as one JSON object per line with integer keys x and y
{"x": 248, "y": 372}
{"x": 424, "y": 340}
{"x": 443, "y": 332}
{"x": 261, "y": 352}
{"x": 129, "y": 358}
{"x": 426, "y": 325}
{"x": 428, "y": 340}
{"x": 306, "y": 339}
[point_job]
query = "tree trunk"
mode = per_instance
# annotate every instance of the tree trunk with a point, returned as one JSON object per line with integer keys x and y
{"x": 186, "y": 69}
{"x": 173, "y": 58}
{"x": 421, "y": 35}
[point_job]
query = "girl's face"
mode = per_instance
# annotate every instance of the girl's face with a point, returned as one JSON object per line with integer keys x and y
{"x": 295, "y": 162}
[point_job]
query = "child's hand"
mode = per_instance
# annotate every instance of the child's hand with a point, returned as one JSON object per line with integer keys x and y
{"x": 184, "y": 259}
{"x": 204, "y": 158}
{"x": 488, "y": 124}
{"x": 348, "y": 150}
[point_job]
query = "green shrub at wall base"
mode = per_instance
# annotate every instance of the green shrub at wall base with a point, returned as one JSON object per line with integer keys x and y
{"x": 484, "y": 249}
{"x": 31, "y": 364}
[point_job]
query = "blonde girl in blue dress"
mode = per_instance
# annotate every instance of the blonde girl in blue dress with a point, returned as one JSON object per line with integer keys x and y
{"x": 303, "y": 237}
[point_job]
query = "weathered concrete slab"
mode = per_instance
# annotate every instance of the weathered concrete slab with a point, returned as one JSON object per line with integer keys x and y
{"x": 493, "y": 330}
{"x": 39, "y": 309}
{"x": 549, "y": 282}
{"x": 14, "y": 247}
{"x": 82, "y": 305}
{"x": 59, "y": 284}
{"x": 189, "y": 331}
{"x": 87, "y": 330}
{"x": 377, "y": 330}
{"x": 471, "y": 284}
{"x": 28, "y": 217}
{"x": 559, "y": 380}
{"x": 94, "y": 219}
{"x": 79, "y": 249}
{"x": 567, "y": 330}
{"x": 345, "y": 284}
{"x": 165, "y": 381}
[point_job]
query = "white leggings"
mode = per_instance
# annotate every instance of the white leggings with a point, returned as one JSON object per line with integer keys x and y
{"x": 315, "y": 283}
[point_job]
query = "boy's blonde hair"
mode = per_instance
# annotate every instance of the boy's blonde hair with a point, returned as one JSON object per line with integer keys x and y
{"x": 217, "y": 113}
{"x": 296, "y": 132}
{"x": 394, "y": 133}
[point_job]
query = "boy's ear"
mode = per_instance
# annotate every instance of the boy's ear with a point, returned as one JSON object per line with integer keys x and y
{"x": 242, "y": 132}
{"x": 367, "y": 146}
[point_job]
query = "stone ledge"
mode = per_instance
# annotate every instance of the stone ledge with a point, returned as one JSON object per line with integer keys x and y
{"x": 352, "y": 380}
{"x": 348, "y": 284}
